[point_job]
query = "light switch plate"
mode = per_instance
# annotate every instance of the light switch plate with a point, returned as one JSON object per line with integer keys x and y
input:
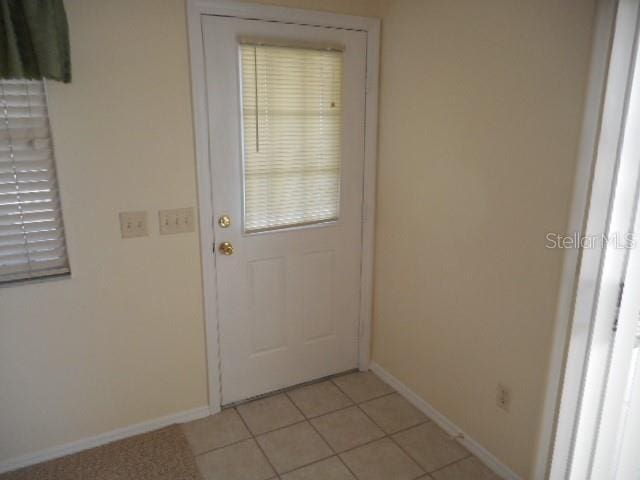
{"x": 134, "y": 224}
{"x": 179, "y": 220}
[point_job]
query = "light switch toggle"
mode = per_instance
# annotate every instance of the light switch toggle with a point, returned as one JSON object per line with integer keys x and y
{"x": 179, "y": 220}
{"x": 224, "y": 221}
{"x": 133, "y": 224}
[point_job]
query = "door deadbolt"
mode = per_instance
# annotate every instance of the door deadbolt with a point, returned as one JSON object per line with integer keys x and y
{"x": 224, "y": 221}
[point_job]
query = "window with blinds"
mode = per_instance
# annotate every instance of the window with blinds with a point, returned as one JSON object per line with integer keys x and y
{"x": 32, "y": 242}
{"x": 292, "y": 135}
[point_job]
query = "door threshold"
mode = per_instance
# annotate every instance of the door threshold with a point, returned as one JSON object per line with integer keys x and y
{"x": 287, "y": 389}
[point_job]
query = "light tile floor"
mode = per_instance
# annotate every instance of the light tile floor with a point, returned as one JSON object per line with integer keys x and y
{"x": 352, "y": 427}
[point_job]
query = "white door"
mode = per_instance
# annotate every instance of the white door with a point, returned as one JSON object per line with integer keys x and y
{"x": 604, "y": 440}
{"x": 609, "y": 459}
{"x": 592, "y": 425}
{"x": 286, "y": 109}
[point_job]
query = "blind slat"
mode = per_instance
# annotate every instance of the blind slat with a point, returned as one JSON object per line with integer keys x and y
{"x": 292, "y": 129}
{"x": 24, "y": 146}
{"x": 28, "y": 198}
{"x": 34, "y": 238}
{"x": 19, "y": 251}
{"x": 30, "y": 222}
{"x": 14, "y": 191}
{"x": 27, "y": 177}
{"x": 22, "y": 131}
{"x": 51, "y": 226}
{"x": 32, "y": 241}
{"x": 26, "y": 210}
{"x": 33, "y": 162}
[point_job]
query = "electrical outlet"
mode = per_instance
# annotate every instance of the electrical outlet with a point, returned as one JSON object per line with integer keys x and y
{"x": 503, "y": 398}
{"x": 133, "y": 224}
{"x": 179, "y": 220}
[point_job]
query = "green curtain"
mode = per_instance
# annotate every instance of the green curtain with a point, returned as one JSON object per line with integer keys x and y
{"x": 34, "y": 40}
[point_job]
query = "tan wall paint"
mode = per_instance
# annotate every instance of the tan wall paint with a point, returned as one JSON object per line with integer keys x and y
{"x": 479, "y": 124}
{"x": 480, "y": 108}
{"x": 122, "y": 341}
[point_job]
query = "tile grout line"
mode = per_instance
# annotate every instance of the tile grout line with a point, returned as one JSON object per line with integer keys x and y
{"x": 273, "y": 393}
{"x": 470, "y": 455}
{"x": 393, "y": 391}
{"x": 298, "y": 422}
{"x": 285, "y": 392}
{"x": 308, "y": 464}
{"x": 338, "y": 454}
{"x": 357, "y": 406}
{"x": 335, "y": 454}
{"x": 224, "y": 446}
{"x": 323, "y": 414}
{"x": 311, "y": 417}
{"x": 388, "y": 435}
{"x": 308, "y": 419}
{"x": 368, "y": 399}
{"x": 255, "y": 440}
{"x": 305, "y": 420}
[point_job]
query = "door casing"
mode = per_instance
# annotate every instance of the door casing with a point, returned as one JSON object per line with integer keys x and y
{"x": 195, "y": 10}
{"x": 577, "y": 293}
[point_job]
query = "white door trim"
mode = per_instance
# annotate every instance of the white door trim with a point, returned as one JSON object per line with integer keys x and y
{"x": 568, "y": 352}
{"x": 549, "y": 425}
{"x": 232, "y": 8}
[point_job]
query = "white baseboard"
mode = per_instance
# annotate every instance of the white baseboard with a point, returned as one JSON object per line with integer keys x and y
{"x": 101, "y": 439}
{"x": 447, "y": 425}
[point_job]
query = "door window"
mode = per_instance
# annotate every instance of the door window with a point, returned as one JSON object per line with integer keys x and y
{"x": 292, "y": 135}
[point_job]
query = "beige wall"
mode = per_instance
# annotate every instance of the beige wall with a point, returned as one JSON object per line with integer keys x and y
{"x": 480, "y": 108}
{"x": 479, "y": 123}
{"x": 122, "y": 341}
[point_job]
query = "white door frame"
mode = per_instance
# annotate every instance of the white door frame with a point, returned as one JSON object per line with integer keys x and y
{"x": 593, "y": 189}
{"x": 232, "y": 8}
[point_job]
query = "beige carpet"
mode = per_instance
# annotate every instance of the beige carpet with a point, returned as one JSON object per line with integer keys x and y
{"x": 160, "y": 455}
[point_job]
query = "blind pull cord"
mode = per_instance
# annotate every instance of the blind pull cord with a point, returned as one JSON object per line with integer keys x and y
{"x": 255, "y": 75}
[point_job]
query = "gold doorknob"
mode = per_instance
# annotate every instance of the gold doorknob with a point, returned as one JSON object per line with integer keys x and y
{"x": 224, "y": 221}
{"x": 226, "y": 248}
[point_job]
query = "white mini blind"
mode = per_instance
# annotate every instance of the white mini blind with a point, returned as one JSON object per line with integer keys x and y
{"x": 32, "y": 242}
{"x": 292, "y": 128}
